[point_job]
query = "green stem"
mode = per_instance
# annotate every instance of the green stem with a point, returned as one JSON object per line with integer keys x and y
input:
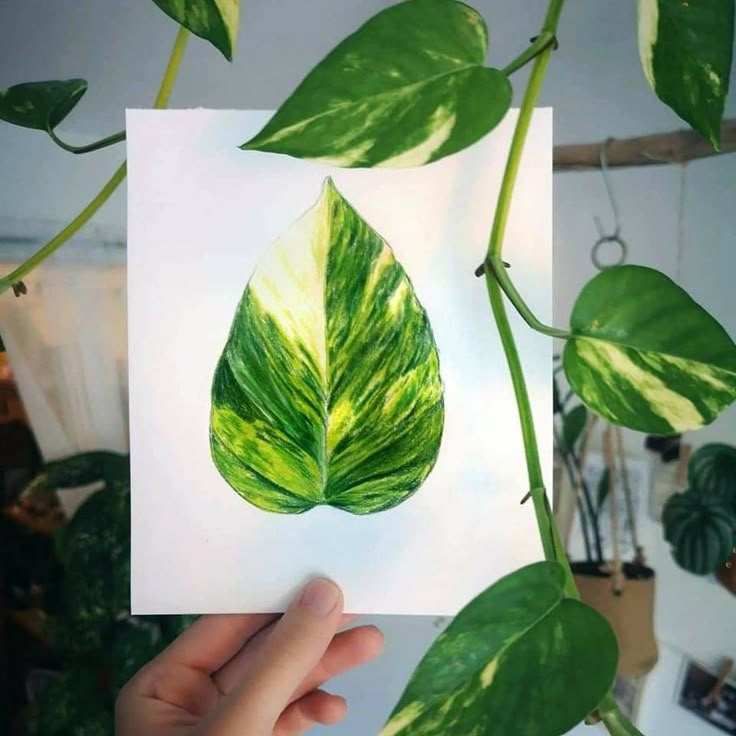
{"x": 544, "y": 40}
{"x": 501, "y": 276}
{"x": 13, "y": 279}
{"x": 111, "y": 140}
{"x": 616, "y": 723}
{"x": 551, "y": 543}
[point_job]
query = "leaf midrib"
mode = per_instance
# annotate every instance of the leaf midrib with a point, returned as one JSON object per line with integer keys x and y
{"x": 510, "y": 642}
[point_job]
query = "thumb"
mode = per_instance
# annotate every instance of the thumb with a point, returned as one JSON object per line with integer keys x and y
{"x": 292, "y": 650}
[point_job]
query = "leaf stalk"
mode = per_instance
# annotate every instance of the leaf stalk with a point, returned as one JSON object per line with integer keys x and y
{"x": 544, "y": 40}
{"x": 111, "y": 140}
{"x": 14, "y": 279}
{"x": 614, "y": 720}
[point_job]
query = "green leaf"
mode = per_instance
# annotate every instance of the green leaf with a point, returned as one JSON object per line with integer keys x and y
{"x": 407, "y": 88}
{"x": 70, "y": 706}
{"x": 80, "y": 470}
{"x": 686, "y": 50}
{"x": 40, "y": 105}
{"x": 644, "y": 355}
{"x": 573, "y": 425}
{"x": 132, "y": 644}
{"x": 214, "y": 20}
{"x": 604, "y": 488}
{"x": 712, "y": 470}
{"x": 328, "y": 390}
{"x": 701, "y": 529}
{"x": 519, "y": 659}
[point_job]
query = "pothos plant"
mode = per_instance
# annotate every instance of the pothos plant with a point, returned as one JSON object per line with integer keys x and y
{"x": 410, "y": 87}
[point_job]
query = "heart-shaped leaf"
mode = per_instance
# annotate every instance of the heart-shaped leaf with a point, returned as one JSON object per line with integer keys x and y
{"x": 407, "y": 88}
{"x": 214, "y": 20}
{"x": 712, "y": 470}
{"x": 518, "y": 659}
{"x": 573, "y": 426}
{"x": 40, "y": 105}
{"x": 644, "y": 355}
{"x": 701, "y": 529}
{"x": 686, "y": 50}
{"x": 328, "y": 390}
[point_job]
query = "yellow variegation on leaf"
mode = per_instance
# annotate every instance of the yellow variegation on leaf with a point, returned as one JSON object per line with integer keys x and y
{"x": 508, "y": 662}
{"x": 644, "y": 355}
{"x": 686, "y": 51}
{"x": 407, "y": 88}
{"x": 328, "y": 390}
{"x": 214, "y": 20}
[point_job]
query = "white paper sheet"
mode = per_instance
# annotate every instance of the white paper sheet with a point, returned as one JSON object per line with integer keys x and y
{"x": 200, "y": 213}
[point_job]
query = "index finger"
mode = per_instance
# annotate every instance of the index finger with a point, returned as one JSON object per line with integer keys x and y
{"x": 213, "y": 640}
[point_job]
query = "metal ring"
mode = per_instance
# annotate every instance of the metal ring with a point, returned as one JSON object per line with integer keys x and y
{"x": 594, "y": 254}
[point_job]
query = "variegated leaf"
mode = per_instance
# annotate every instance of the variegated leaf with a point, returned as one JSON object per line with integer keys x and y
{"x": 214, "y": 20}
{"x": 40, "y": 105}
{"x": 686, "y": 50}
{"x": 644, "y": 355}
{"x": 407, "y": 88}
{"x": 328, "y": 390}
{"x": 509, "y": 662}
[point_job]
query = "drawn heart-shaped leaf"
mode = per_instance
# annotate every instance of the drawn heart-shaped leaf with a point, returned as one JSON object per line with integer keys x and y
{"x": 509, "y": 662}
{"x": 40, "y": 105}
{"x": 328, "y": 390}
{"x": 643, "y": 354}
{"x": 407, "y": 88}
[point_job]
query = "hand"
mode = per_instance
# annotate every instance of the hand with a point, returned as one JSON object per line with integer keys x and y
{"x": 249, "y": 675}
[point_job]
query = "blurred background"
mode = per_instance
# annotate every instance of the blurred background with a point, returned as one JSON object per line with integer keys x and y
{"x": 63, "y": 379}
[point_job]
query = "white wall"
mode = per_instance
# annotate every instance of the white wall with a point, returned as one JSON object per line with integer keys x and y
{"x": 597, "y": 89}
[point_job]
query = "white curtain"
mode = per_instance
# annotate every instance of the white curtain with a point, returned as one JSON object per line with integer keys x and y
{"x": 66, "y": 339}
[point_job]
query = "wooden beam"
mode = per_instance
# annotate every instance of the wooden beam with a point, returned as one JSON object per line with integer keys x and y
{"x": 648, "y": 150}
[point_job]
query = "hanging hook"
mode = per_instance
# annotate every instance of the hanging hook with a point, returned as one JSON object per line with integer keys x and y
{"x": 615, "y": 236}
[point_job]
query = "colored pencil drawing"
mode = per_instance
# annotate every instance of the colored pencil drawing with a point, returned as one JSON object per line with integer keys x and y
{"x": 328, "y": 391}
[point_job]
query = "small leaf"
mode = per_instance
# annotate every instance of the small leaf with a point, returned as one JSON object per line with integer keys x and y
{"x": 644, "y": 355}
{"x": 556, "y": 403}
{"x": 604, "y": 487}
{"x": 573, "y": 426}
{"x": 328, "y": 390}
{"x": 701, "y": 529}
{"x": 214, "y": 20}
{"x": 407, "y": 88}
{"x": 712, "y": 470}
{"x": 40, "y": 105}
{"x": 686, "y": 50}
{"x": 518, "y": 659}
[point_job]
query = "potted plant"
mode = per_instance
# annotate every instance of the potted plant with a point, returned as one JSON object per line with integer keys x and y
{"x": 69, "y": 591}
{"x": 700, "y": 523}
{"x": 622, "y": 591}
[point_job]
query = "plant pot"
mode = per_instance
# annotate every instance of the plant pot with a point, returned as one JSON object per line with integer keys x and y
{"x": 630, "y": 612}
{"x": 726, "y": 573}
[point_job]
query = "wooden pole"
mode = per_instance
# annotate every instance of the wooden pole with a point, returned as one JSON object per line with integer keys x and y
{"x": 648, "y": 150}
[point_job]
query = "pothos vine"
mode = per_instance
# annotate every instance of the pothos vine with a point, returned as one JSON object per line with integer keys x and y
{"x": 666, "y": 66}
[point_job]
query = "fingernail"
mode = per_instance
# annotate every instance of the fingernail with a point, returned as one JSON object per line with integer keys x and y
{"x": 321, "y": 596}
